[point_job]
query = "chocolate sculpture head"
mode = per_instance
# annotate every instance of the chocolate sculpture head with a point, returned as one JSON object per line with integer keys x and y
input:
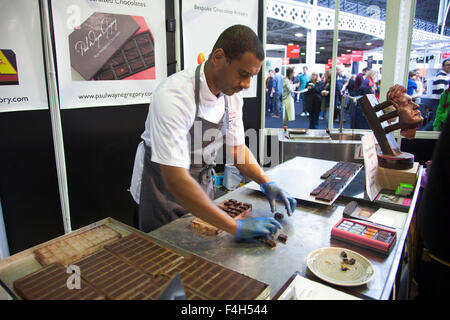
{"x": 408, "y": 111}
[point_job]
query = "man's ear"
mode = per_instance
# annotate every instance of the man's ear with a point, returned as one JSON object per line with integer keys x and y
{"x": 218, "y": 56}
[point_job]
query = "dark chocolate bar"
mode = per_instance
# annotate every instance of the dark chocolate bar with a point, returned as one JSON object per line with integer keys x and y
{"x": 136, "y": 55}
{"x": 50, "y": 283}
{"x": 118, "y": 279}
{"x": 212, "y": 281}
{"x": 335, "y": 180}
{"x": 97, "y": 40}
{"x": 144, "y": 254}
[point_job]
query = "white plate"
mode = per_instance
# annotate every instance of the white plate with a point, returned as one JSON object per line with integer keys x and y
{"x": 325, "y": 263}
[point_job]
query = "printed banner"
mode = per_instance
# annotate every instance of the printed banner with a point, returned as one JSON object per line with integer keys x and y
{"x": 203, "y": 22}
{"x": 109, "y": 52}
{"x": 22, "y": 72}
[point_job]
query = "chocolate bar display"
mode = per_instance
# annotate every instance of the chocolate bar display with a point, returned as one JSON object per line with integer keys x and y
{"x": 232, "y": 207}
{"x": 76, "y": 247}
{"x": 212, "y": 281}
{"x": 97, "y": 39}
{"x": 144, "y": 254}
{"x": 336, "y": 178}
{"x": 50, "y": 283}
{"x": 136, "y": 55}
{"x": 119, "y": 280}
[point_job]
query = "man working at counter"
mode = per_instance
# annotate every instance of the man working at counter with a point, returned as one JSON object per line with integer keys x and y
{"x": 174, "y": 163}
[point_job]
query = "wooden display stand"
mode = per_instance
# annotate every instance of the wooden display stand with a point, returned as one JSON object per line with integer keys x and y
{"x": 391, "y": 178}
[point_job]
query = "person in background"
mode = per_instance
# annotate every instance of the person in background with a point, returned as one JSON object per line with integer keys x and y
{"x": 313, "y": 100}
{"x": 442, "y": 111}
{"x": 440, "y": 83}
{"x": 360, "y": 78}
{"x": 296, "y": 82}
{"x": 420, "y": 88}
{"x": 277, "y": 92}
{"x": 287, "y": 100}
{"x": 412, "y": 85}
{"x": 269, "y": 95}
{"x": 325, "y": 93}
{"x": 304, "y": 79}
{"x": 349, "y": 86}
{"x": 368, "y": 86}
{"x": 341, "y": 80}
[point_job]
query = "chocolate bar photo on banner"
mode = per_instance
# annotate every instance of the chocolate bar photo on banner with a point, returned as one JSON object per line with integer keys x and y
{"x": 8, "y": 68}
{"x": 97, "y": 39}
{"x": 136, "y": 55}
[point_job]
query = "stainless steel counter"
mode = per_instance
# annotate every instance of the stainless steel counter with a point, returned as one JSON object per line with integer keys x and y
{"x": 307, "y": 229}
{"x": 334, "y": 148}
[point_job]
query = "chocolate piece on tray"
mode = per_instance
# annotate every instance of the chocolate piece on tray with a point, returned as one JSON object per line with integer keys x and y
{"x": 282, "y": 238}
{"x": 214, "y": 282}
{"x": 118, "y": 279}
{"x": 278, "y": 216}
{"x": 76, "y": 246}
{"x": 50, "y": 283}
{"x": 144, "y": 254}
{"x": 97, "y": 39}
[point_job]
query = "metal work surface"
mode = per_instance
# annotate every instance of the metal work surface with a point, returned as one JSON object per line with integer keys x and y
{"x": 328, "y": 149}
{"x": 307, "y": 229}
{"x": 299, "y": 176}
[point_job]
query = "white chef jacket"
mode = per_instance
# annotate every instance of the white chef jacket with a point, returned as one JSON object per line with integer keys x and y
{"x": 171, "y": 115}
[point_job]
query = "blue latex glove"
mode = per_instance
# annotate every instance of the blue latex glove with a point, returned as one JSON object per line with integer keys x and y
{"x": 274, "y": 192}
{"x": 256, "y": 227}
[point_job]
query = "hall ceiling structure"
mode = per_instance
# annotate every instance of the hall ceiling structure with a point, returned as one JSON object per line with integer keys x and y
{"x": 281, "y": 33}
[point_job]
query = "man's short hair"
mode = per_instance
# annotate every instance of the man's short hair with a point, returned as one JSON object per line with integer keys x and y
{"x": 444, "y": 61}
{"x": 277, "y": 70}
{"x": 366, "y": 69}
{"x": 237, "y": 40}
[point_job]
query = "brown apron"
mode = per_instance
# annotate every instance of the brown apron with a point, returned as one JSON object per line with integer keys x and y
{"x": 157, "y": 206}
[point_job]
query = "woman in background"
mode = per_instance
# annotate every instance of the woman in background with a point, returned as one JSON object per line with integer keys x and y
{"x": 313, "y": 100}
{"x": 287, "y": 101}
{"x": 368, "y": 85}
{"x": 325, "y": 92}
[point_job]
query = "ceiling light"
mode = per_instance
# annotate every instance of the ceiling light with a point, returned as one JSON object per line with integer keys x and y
{"x": 322, "y": 48}
{"x": 290, "y": 44}
{"x": 317, "y": 52}
{"x": 368, "y": 43}
{"x": 339, "y": 40}
{"x": 348, "y": 50}
{"x": 298, "y": 34}
{"x": 302, "y": 53}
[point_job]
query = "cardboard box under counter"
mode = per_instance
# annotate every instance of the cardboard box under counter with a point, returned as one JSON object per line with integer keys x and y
{"x": 391, "y": 178}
